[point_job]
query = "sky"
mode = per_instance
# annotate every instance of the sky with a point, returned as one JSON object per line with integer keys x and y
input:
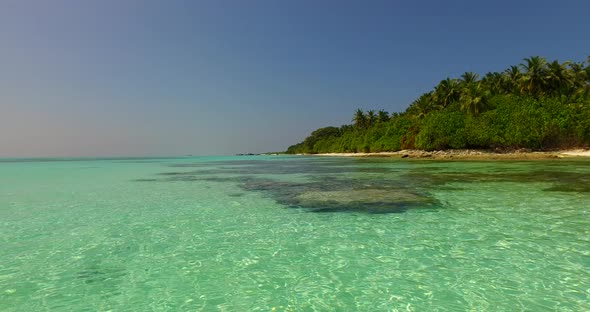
{"x": 219, "y": 77}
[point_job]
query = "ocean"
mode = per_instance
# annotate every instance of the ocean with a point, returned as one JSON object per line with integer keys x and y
{"x": 289, "y": 233}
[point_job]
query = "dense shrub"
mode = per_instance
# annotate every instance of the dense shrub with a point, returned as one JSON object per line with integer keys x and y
{"x": 442, "y": 130}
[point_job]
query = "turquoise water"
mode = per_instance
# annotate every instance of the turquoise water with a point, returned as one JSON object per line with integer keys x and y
{"x": 282, "y": 233}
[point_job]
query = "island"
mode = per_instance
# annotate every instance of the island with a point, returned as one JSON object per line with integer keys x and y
{"x": 536, "y": 106}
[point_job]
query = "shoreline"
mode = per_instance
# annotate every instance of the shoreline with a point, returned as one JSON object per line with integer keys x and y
{"x": 467, "y": 154}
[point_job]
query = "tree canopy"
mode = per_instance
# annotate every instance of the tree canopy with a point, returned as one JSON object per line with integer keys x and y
{"x": 536, "y": 104}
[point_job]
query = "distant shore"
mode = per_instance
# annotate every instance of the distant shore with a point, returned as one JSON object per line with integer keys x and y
{"x": 469, "y": 154}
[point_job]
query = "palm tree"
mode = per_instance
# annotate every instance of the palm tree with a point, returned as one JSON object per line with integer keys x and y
{"x": 469, "y": 77}
{"x": 359, "y": 119}
{"x": 495, "y": 82}
{"x": 579, "y": 79}
{"x": 446, "y": 92}
{"x": 382, "y": 116}
{"x": 578, "y": 72}
{"x": 371, "y": 118}
{"x": 534, "y": 78}
{"x": 474, "y": 98}
{"x": 422, "y": 106}
{"x": 558, "y": 78}
{"x": 512, "y": 78}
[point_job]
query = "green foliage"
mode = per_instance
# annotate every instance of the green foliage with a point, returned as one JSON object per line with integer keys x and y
{"x": 442, "y": 130}
{"x": 523, "y": 121}
{"x": 320, "y": 141}
{"x": 393, "y": 138}
{"x": 485, "y": 131}
{"x": 537, "y": 105}
{"x": 360, "y": 120}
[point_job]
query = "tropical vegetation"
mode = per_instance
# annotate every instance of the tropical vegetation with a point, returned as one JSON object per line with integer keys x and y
{"x": 536, "y": 105}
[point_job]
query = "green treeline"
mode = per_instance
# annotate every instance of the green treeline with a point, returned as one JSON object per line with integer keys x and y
{"x": 537, "y": 105}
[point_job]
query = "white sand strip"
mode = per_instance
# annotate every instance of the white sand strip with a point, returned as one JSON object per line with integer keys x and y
{"x": 580, "y": 152}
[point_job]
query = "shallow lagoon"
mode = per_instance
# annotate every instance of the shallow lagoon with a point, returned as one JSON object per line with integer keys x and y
{"x": 294, "y": 233}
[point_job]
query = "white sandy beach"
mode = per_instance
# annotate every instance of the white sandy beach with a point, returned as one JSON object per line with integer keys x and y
{"x": 468, "y": 154}
{"x": 578, "y": 152}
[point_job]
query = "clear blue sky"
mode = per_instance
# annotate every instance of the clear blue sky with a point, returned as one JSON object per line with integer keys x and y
{"x": 123, "y": 77}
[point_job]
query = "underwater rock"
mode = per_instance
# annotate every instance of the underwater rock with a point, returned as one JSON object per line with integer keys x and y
{"x": 365, "y": 196}
{"x": 323, "y": 185}
{"x": 365, "y": 200}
